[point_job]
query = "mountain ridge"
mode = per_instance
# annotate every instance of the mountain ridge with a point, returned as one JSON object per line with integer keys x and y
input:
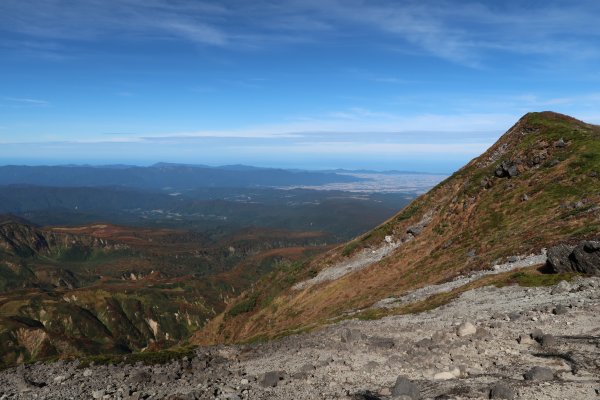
{"x": 536, "y": 186}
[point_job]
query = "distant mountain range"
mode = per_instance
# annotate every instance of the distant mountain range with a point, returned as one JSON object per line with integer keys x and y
{"x": 165, "y": 175}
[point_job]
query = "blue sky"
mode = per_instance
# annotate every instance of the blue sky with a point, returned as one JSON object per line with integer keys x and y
{"x": 418, "y": 85}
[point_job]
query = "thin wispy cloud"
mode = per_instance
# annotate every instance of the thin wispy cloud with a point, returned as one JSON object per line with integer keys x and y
{"x": 364, "y": 126}
{"x": 459, "y": 33}
{"x": 26, "y": 101}
{"x": 95, "y": 20}
{"x": 196, "y": 32}
{"x": 388, "y": 80}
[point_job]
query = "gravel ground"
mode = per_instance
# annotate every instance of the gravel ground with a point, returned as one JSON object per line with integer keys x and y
{"x": 462, "y": 350}
{"x": 519, "y": 262}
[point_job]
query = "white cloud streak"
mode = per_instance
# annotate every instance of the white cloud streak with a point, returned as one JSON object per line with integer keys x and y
{"x": 27, "y": 101}
{"x": 355, "y": 125}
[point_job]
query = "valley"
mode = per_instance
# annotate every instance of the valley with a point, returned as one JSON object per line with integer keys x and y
{"x": 104, "y": 270}
{"x": 102, "y": 289}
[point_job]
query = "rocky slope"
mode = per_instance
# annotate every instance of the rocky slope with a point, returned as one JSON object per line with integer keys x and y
{"x": 495, "y": 341}
{"x": 538, "y": 186}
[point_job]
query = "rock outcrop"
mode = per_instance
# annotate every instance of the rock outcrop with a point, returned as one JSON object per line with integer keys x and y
{"x": 582, "y": 258}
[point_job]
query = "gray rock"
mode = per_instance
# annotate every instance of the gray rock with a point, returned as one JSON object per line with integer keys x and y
{"x": 514, "y": 316}
{"x": 560, "y": 310}
{"x": 525, "y": 340}
{"x": 539, "y": 374}
{"x": 365, "y": 396}
{"x": 537, "y": 334}
{"x": 466, "y": 329}
{"x": 482, "y": 333}
{"x": 24, "y": 384}
{"x": 444, "y": 376}
{"x": 415, "y": 230}
{"x": 272, "y": 378}
{"x": 558, "y": 258}
{"x": 507, "y": 169}
{"x": 548, "y": 341}
{"x": 325, "y": 360}
{"x": 307, "y": 368}
{"x": 140, "y": 376}
{"x": 502, "y": 391}
{"x": 181, "y": 396}
{"x": 351, "y": 336}
{"x": 426, "y": 343}
{"x": 586, "y": 257}
{"x": 98, "y": 394}
{"x": 134, "y": 396}
{"x": 404, "y": 387}
{"x": 382, "y": 343}
{"x": 561, "y": 287}
{"x": 371, "y": 365}
{"x": 560, "y": 143}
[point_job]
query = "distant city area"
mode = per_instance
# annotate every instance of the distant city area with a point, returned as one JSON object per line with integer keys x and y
{"x": 383, "y": 182}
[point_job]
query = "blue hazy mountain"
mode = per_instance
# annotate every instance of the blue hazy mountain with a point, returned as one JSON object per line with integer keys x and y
{"x": 164, "y": 175}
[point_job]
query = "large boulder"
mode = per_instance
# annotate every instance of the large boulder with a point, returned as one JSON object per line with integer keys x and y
{"x": 583, "y": 258}
{"x": 586, "y": 257}
{"x": 559, "y": 258}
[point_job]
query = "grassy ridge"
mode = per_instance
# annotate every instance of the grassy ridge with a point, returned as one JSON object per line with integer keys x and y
{"x": 477, "y": 217}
